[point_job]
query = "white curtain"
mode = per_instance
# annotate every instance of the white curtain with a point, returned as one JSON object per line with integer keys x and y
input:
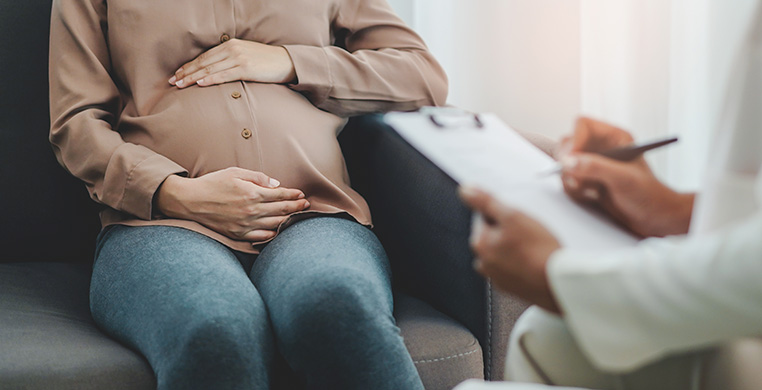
{"x": 651, "y": 66}
{"x": 658, "y": 67}
{"x": 518, "y": 58}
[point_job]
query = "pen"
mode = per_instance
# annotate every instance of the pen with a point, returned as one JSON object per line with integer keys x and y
{"x": 624, "y": 153}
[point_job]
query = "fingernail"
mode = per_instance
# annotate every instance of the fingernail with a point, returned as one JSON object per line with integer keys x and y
{"x": 477, "y": 264}
{"x": 173, "y": 80}
{"x": 583, "y": 161}
{"x": 565, "y": 149}
{"x": 571, "y": 183}
{"x": 200, "y": 82}
{"x": 569, "y": 162}
{"x": 301, "y": 195}
{"x": 591, "y": 194}
{"x": 180, "y": 83}
{"x": 306, "y": 204}
{"x": 274, "y": 183}
{"x": 473, "y": 238}
{"x": 466, "y": 191}
{"x": 493, "y": 237}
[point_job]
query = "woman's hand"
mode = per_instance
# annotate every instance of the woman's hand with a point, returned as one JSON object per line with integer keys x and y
{"x": 628, "y": 191}
{"x": 512, "y": 249}
{"x": 238, "y": 203}
{"x": 237, "y": 60}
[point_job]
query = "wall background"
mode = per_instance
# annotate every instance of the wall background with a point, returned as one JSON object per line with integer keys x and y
{"x": 517, "y": 58}
{"x": 654, "y": 67}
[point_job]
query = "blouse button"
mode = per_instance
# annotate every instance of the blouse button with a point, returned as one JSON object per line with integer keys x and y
{"x": 235, "y": 95}
{"x": 224, "y": 38}
{"x": 246, "y": 133}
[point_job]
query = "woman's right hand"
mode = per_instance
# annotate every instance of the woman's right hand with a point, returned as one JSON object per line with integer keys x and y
{"x": 238, "y": 203}
{"x": 628, "y": 191}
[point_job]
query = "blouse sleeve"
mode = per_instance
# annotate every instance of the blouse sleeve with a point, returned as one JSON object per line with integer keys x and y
{"x": 385, "y": 66}
{"x": 84, "y": 107}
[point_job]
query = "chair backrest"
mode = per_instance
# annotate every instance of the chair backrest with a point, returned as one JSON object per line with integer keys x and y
{"x": 46, "y": 214}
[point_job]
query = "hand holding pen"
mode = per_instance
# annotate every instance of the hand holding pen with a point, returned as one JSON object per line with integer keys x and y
{"x": 625, "y": 153}
{"x": 601, "y": 166}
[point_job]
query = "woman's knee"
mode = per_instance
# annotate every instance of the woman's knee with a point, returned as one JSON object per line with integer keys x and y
{"x": 216, "y": 351}
{"x": 333, "y": 300}
{"x": 217, "y": 338}
{"x": 225, "y": 336}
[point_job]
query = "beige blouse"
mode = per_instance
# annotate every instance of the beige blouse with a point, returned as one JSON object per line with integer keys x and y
{"x": 121, "y": 128}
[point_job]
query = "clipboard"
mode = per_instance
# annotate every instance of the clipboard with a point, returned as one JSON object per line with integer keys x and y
{"x": 482, "y": 151}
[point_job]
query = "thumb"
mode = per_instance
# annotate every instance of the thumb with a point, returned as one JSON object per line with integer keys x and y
{"x": 490, "y": 208}
{"x": 257, "y": 178}
{"x": 474, "y": 198}
{"x": 563, "y": 148}
{"x": 589, "y": 167}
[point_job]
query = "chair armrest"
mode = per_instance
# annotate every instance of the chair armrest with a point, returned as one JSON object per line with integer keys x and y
{"x": 425, "y": 228}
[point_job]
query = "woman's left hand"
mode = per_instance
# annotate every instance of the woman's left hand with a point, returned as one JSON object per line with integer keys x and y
{"x": 234, "y": 60}
{"x": 512, "y": 249}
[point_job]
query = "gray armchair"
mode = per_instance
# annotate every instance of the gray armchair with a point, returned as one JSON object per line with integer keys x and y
{"x": 424, "y": 228}
{"x": 455, "y": 325}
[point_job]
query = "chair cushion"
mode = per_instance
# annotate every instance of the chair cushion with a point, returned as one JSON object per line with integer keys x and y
{"x": 444, "y": 351}
{"x": 48, "y": 339}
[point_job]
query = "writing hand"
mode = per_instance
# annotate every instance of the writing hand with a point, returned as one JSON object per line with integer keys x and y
{"x": 628, "y": 191}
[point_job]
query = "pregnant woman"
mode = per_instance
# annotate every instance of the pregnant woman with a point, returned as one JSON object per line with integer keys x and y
{"x": 207, "y": 132}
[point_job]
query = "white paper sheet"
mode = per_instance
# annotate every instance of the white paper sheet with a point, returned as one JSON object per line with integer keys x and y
{"x": 501, "y": 162}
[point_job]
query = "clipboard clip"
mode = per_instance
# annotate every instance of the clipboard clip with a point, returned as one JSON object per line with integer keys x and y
{"x": 444, "y": 121}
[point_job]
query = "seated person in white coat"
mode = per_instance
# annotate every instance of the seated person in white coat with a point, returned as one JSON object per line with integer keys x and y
{"x": 644, "y": 317}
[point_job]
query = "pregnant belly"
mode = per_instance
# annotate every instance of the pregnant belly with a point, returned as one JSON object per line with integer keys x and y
{"x": 262, "y": 127}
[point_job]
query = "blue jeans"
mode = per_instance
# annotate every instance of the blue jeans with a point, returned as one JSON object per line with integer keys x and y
{"x": 206, "y": 317}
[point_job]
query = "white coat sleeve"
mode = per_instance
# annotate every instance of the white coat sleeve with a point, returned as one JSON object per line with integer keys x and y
{"x": 631, "y": 307}
{"x": 666, "y": 296}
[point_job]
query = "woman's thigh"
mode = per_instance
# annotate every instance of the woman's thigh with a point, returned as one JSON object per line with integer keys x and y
{"x": 185, "y": 302}
{"x": 326, "y": 283}
{"x": 324, "y": 253}
{"x": 323, "y": 258}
